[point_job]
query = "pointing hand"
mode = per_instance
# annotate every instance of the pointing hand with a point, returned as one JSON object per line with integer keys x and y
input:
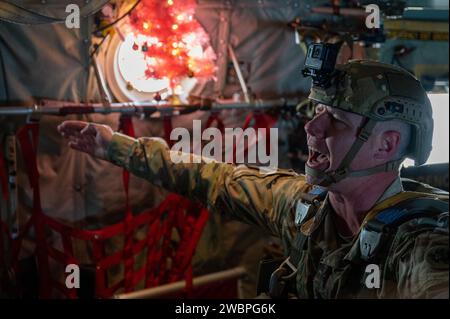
{"x": 90, "y": 138}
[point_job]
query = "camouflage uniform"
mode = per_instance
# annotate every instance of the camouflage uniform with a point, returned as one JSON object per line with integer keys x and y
{"x": 416, "y": 266}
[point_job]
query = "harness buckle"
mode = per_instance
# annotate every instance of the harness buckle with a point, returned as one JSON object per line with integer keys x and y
{"x": 371, "y": 239}
{"x": 340, "y": 172}
{"x": 364, "y": 135}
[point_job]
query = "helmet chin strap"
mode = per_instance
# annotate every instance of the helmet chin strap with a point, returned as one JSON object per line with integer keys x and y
{"x": 343, "y": 170}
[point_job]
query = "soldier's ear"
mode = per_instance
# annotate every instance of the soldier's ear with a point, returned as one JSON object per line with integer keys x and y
{"x": 387, "y": 145}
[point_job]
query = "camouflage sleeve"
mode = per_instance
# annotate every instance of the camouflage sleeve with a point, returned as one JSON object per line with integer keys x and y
{"x": 239, "y": 191}
{"x": 422, "y": 265}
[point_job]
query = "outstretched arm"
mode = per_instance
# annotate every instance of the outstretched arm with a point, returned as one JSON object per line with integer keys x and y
{"x": 242, "y": 192}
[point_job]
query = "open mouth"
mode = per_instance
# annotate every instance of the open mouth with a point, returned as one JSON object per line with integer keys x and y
{"x": 317, "y": 159}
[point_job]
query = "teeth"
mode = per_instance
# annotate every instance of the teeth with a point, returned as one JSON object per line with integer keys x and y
{"x": 318, "y": 159}
{"x": 313, "y": 150}
{"x": 317, "y": 156}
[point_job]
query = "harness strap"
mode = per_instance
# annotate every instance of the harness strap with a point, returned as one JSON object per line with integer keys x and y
{"x": 381, "y": 224}
{"x": 385, "y": 213}
{"x": 364, "y": 134}
{"x": 397, "y": 199}
{"x": 317, "y": 195}
{"x": 398, "y": 215}
{"x": 288, "y": 269}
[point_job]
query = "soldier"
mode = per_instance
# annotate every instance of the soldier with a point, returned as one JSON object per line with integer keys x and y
{"x": 348, "y": 227}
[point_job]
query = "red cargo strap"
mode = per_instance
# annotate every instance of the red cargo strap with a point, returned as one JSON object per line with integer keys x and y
{"x": 167, "y": 121}
{"x": 187, "y": 248}
{"x": 28, "y": 137}
{"x": 260, "y": 120}
{"x": 264, "y": 120}
{"x": 214, "y": 117}
{"x": 174, "y": 212}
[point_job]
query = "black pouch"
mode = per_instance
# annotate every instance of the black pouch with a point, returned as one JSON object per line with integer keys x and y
{"x": 265, "y": 270}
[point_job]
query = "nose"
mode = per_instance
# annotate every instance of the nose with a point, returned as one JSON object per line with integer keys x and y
{"x": 317, "y": 127}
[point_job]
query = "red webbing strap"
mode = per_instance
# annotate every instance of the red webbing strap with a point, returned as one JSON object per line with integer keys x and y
{"x": 191, "y": 227}
{"x": 28, "y": 137}
{"x": 260, "y": 120}
{"x": 100, "y": 272}
{"x": 126, "y": 126}
{"x": 247, "y": 120}
{"x": 182, "y": 259}
{"x": 195, "y": 235}
{"x": 152, "y": 238}
{"x": 191, "y": 231}
{"x": 167, "y": 121}
{"x": 167, "y": 248}
{"x": 182, "y": 223}
{"x": 163, "y": 249}
{"x": 158, "y": 236}
{"x": 245, "y": 125}
{"x": 3, "y": 176}
{"x": 214, "y": 117}
{"x": 264, "y": 120}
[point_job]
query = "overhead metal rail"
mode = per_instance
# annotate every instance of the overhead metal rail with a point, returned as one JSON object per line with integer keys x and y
{"x": 142, "y": 108}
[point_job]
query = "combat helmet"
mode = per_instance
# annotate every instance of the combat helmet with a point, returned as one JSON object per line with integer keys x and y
{"x": 379, "y": 92}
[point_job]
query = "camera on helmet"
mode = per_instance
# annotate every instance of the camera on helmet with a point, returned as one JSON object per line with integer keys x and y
{"x": 320, "y": 62}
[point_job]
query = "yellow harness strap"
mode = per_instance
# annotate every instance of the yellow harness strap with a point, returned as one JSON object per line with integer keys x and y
{"x": 396, "y": 199}
{"x": 307, "y": 227}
